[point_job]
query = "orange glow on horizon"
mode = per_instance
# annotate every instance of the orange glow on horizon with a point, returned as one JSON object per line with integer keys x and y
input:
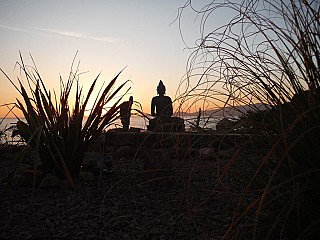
{"x": 10, "y": 112}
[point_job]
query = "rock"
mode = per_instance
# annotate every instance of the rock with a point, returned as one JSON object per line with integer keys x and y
{"x": 141, "y": 152}
{"x": 126, "y": 236}
{"x": 182, "y": 153}
{"x": 50, "y": 181}
{"x": 27, "y": 180}
{"x": 157, "y": 165}
{"x": 23, "y": 168}
{"x": 206, "y": 153}
{"x": 92, "y": 162}
{"x": 109, "y": 149}
{"x": 125, "y": 152}
{"x": 226, "y": 124}
{"x": 23, "y": 176}
{"x": 65, "y": 185}
{"x": 86, "y": 176}
{"x": 225, "y": 154}
{"x": 155, "y": 232}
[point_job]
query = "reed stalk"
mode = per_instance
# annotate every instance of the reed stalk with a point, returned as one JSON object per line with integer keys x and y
{"x": 267, "y": 52}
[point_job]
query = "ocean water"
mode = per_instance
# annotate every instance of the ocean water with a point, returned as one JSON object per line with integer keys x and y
{"x": 135, "y": 121}
{"x": 7, "y": 125}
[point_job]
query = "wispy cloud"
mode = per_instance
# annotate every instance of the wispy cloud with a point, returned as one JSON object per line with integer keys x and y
{"x": 79, "y": 35}
{"x": 11, "y": 27}
{"x": 63, "y": 33}
{"x": 60, "y": 32}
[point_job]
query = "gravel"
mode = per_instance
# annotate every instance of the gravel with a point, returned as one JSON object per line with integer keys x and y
{"x": 191, "y": 204}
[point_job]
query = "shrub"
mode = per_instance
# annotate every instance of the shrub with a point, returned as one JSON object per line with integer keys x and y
{"x": 66, "y": 133}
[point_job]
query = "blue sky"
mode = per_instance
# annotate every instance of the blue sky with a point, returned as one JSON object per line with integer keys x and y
{"x": 109, "y": 35}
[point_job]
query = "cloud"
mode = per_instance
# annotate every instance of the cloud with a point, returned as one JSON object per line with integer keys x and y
{"x": 10, "y": 27}
{"x": 64, "y": 33}
{"x": 79, "y": 35}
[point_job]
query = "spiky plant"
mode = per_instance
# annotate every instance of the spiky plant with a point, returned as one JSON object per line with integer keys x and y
{"x": 269, "y": 52}
{"x": 66, "y": 133}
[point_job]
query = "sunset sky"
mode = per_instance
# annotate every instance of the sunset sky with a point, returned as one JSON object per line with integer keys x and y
{"x": 109, "y": 35}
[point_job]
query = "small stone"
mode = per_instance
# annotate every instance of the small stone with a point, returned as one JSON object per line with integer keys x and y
{"x": 64, "y": 185}
{"x": 27, "y": 180}
{"x": 157, "y": 164}
{"x": 86, "y": 176}
{"x": 23, "y": 168}
{"x": 206, "y": 153}
{"x": 126, "y": 236}
{"x": 153, "y": 232}
{"x": 125, "y": 152}
{"x": 50, "y": 181}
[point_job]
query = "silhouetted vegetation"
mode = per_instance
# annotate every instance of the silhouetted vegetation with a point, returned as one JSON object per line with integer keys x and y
{"x": 56, "y": 126}
{"x": 267, "y": 52}
{"x": 260, "y": 184}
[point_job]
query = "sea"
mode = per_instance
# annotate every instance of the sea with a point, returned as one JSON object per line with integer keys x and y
{"x": 8, "y": 125}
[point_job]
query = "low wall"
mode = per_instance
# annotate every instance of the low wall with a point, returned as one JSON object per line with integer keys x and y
{"x": 167, "y": 139}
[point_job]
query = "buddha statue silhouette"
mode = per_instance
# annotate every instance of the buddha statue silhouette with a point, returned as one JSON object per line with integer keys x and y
{"x": 161, "y": 105}
{"x": 161, "y": 109}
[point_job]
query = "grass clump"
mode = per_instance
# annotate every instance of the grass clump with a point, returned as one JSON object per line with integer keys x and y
{"x": 267, "y": 52}
{"x": 56, "y": 127}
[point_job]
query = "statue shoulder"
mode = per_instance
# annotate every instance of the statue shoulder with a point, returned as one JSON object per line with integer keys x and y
{"x": 168, "y": 98}
{"x": 155, "y": 98}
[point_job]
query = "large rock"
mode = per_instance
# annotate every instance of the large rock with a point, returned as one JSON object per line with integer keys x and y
{"x": 226, "y": 124}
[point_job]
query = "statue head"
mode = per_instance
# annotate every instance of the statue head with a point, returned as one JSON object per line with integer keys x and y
{"x": 161, "y": 89}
